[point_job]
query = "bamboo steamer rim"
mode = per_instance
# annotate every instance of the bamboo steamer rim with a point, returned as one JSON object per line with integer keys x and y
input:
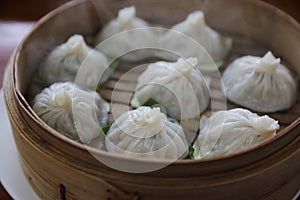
{"x": 27, "y": 108}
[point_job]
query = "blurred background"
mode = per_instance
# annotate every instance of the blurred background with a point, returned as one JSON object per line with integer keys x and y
{"x": 29, "y": 10}
{"x": 17, "y": 17}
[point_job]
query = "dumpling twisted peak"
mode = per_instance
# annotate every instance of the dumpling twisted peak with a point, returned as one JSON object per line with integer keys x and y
{"x": 146, "y": 116}
{"x": 76, "y": 42}
{"x": 268, "y": 63}
{"x": 126, "y": 15}
{"x": 184, "y": 67}
{"x": 265, "y": 124}
{"x": 195, "y": 20}
{"x": 63, "y": 99}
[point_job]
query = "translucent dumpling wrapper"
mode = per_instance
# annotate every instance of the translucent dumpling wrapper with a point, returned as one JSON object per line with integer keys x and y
{"x": 76, "y": 113}
{"x": 178, "y": 86}
{"x": 228, "y": 131}
{"x": 124, "y": 34}
{"x": 195, "y": 35}
{"x": 260, "y": 83}
{"x": 64, "y": 62}
{"x": 146, "y": 133}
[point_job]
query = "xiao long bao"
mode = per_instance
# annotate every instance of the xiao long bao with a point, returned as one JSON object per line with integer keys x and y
{"x": 72, "y": 111}
{"x": 201, "y": 35}
{"x": 115, "y": 45}
{"x": 228, "y": 131}
{"x": 63, "y": 63}
{"x": 180, "y": 88}
{"x": 260, "y": 84}
{"x": 147, "y": 133}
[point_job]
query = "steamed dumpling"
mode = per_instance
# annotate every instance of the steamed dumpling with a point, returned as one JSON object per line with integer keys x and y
{"x": 196, "y": 33}
{"x": 63, "y": 63}
{"x": 179, "y": 87}
{"x": 146, "y": 133}
{"x": 74, "y": 112}
{"x": 135, "y": 34}
{"x": 260, "y": 84}
{"x": 228, "y": 131}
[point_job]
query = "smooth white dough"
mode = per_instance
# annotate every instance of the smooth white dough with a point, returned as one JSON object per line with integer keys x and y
{"x": 63, "y": 63}
{"x": 146, "y": 133}
{"x": 134, "y": 34}
{"x": 228, "y": 131}
{"x": 199, "y": 35}
{"x": 76, "y": 113}
{"x": 260, "y": 83}
{"x": 178, "y": 86}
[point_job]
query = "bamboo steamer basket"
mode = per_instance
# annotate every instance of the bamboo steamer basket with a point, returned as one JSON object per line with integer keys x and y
{"x": 59, "y": 168}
